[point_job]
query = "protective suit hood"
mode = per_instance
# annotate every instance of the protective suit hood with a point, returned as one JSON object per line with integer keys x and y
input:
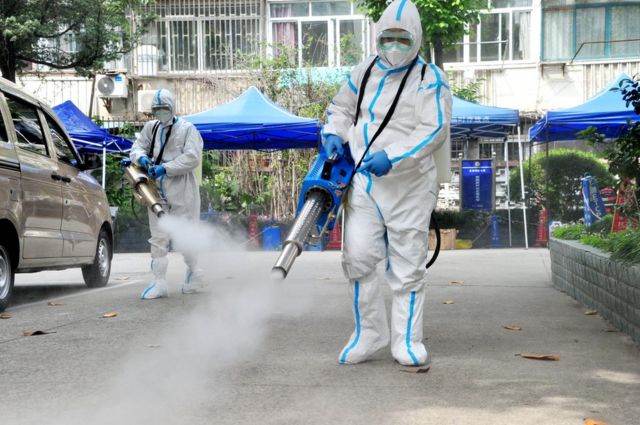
{"x": 164, "y": 97}
{"x": 402, "y": 14}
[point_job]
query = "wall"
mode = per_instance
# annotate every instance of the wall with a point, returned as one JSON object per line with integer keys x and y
{"x": 588, "y": 275}
{"x": 534, "y": 87}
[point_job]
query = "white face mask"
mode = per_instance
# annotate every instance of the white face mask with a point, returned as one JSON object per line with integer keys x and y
{"x": 394, "y": 46}
{"x": 395, "y": 57}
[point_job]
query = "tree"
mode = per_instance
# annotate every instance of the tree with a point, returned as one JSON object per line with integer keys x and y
{"x": 562, "y": 172}
{"x": 623, "y": 153}
{"x": 443, "y": 21}
{"x": 32, "y": 31}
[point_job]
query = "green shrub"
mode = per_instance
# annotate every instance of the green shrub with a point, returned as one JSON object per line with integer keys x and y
{"x": 596, "y": 240}
{"x": 555, "y": 181}
{"x": 570, "y": 232}
{"x": 603, "y": 225}
{"x": 625, "y": 246}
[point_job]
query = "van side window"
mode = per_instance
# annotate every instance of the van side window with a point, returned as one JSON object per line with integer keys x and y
{"x": 63, "y": 150}
{"x": 27, "y": 124}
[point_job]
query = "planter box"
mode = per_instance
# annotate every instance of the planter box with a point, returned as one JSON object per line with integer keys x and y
{"x": 610, "y": 287}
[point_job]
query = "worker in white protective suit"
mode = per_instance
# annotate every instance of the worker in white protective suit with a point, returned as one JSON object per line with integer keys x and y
{"x": 395, "y": 189}
{"x": 170, "y": 149}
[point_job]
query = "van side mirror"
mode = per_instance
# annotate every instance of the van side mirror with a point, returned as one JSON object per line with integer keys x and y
{"x": 90, "y": 161}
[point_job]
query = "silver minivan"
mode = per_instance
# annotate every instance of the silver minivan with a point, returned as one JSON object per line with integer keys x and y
{"x": 53, "y": 214}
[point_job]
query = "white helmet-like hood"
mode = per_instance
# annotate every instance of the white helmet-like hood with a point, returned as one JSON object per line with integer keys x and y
{"x": 402, "y": 14}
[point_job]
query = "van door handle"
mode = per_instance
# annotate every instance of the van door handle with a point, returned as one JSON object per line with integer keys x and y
{"x": 58, "y": 177}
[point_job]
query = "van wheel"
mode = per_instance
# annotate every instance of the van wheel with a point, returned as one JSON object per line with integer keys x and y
{"x": 97, "y": 274}
{"x": 6, "y": 277}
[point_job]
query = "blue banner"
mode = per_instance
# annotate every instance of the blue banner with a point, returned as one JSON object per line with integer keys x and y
{"x": 477, "y": 185}
{"x": 593, "y": 204}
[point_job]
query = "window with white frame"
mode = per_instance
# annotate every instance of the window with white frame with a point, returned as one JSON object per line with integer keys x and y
{"x": 502, "y": 34}
{"x": 202, "y": 35}
{"x": 320, "y": 33}
{"x": 590, "y": 29}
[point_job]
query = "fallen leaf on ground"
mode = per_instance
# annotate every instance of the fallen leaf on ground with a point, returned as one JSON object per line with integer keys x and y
{"x": 590, "y": 312}
{"x": 456, "y": 282}
{"x": 610, "y": 330}
{"x": 109, "y": 315}
{"x": 448, "y": 302}
{"x": 54, "y": 303}
{"x": 513, "y": 327}
{"x": 552, "y": 357}
{"x": 419, "y": 369}
{"x": 589, "y": 421}
{"x": 5, "y": 315}
{"x": 35, "y": 333}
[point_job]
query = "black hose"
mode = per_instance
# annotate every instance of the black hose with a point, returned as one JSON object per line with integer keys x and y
{"x": 436, "y": 251}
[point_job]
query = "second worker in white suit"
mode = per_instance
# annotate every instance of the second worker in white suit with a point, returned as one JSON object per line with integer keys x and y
{"x": 395, "y": 190}
{"x": 170, "y": 149}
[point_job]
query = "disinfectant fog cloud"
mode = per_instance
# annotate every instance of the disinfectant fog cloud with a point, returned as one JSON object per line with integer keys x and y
{"x": 223, "y": 328}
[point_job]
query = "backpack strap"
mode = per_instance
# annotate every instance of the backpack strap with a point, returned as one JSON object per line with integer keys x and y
{"x": 387, "y": 117}
{"x": 363, "y": 85}
{"x": 164, "y": 145}
{"x": 392, "y": 109}
{"x": 153, "y": 139}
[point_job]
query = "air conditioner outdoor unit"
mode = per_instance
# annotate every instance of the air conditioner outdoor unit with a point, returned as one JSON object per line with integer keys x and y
{"x": 112, "y": 85}
{"x": 145, "y": 100}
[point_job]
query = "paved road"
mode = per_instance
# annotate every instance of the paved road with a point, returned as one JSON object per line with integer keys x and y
{"x": 247, "y": 351}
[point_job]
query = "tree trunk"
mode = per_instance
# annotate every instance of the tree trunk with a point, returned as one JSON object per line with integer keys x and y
{"x": 438, "y": 51}
{"x": 7, "y": 60}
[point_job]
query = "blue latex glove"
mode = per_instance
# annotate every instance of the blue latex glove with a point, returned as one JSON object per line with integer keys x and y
{"x": 145, "y": 162}
{"x": 124, "y": 163}
{"x": 377, "y": 164}
{"x": 157, "y": 171}
{"x": 333, "y": 143}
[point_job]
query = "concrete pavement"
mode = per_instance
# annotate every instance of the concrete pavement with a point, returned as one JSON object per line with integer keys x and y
{"x": 247, "y": 351}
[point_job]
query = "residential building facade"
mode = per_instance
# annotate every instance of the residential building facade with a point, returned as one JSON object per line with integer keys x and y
{"x": 531, "y": 55}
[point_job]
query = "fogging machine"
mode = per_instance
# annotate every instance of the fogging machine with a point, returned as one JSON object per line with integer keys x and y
{"x": 144, "y": 188}
{"x": 318, "y": 206}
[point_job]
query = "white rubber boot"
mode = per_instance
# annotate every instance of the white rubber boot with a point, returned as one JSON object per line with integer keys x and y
{"x": 370, "y": 315}
{"x": 159, "y": 287}
{"x": 407, "y": 346}
{"x": 193, "y": 281}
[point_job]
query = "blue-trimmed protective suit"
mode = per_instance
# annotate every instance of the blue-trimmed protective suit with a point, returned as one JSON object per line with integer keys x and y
{"x": 181, "y": 156}
{"x": 387, "y": 218}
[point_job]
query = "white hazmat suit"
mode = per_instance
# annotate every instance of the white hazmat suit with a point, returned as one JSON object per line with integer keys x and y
{"x": 182, "y": 154}
{"x": 387, "y": 218}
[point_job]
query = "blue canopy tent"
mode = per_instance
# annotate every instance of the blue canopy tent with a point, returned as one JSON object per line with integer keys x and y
{"x": 606, "y": 111}
{"x": 474, "y": 120}
{"x": 252, "y": 121}
{"x": 87, "y": 136}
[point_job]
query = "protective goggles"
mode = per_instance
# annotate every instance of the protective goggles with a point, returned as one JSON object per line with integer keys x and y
{"x": 395, "y": 40}
{"x": 160, "y": 109}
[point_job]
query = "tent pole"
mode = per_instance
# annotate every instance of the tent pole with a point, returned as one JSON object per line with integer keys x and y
{"x": 104, "y": 165}
{"x": 524, "y": 206}
{"x": 506, "y": 169}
